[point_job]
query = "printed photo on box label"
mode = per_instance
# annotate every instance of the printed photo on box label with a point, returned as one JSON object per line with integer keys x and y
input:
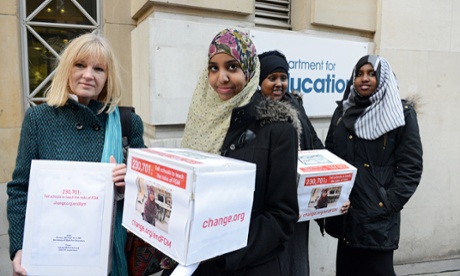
{"x": 324, "y": 197}
{"x": 153, "y": 203}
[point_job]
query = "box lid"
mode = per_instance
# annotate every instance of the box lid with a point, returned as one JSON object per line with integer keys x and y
{"x": 198, "y": 161}
{"x": 319, "y": 161}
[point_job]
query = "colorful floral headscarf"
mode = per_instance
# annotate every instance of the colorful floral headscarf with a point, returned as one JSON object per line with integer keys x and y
{"x": 209, "y": 117}
{"x": 237, "y": 44}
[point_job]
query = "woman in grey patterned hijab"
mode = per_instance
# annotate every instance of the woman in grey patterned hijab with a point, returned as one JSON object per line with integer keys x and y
{"x": 373, "y": 106}
{"x": 378, "y": 133}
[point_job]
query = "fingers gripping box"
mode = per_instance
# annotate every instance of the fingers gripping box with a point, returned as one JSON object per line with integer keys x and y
{"x": 190, "y": 205}
{"x": 324, "y": 184}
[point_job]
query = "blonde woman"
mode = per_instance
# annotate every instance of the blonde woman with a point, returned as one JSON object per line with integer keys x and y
{"x": 80, "y": 121}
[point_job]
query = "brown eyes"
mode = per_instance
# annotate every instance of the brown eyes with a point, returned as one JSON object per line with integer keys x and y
{"x": 274, "y": 78}
{"x": 371, "y": 74}
{"x": 230, "y": 67}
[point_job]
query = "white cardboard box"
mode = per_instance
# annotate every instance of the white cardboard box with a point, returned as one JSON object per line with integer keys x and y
{"x": 324, "y": 183}
{"x": 203, "y": 202}
{"x": 68, "y": 226}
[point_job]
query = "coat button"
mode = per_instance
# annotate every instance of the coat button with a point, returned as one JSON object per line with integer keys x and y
{"x": 232, "y": 147}
{"x": 381, "y": 204}
{"x": 96, "y": 127}
{"x": 79, "y": 126}
{"x": 350, "y": 137}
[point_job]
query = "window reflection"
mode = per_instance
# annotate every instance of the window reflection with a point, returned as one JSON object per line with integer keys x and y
{"x": 41, "y": 61}
{"x": 63, "y": 11}
{"x": 63, "y": 15}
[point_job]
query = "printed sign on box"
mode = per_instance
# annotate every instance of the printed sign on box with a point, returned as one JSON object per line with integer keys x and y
{"x": 324, "y": 184}
{"x": 190, "y": 205}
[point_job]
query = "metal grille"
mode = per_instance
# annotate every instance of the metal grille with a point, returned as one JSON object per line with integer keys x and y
{"x": 273, "y": 13}
{"x": 46, "y": 27}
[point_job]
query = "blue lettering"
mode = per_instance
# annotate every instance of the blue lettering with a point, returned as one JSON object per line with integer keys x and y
{"x": 343, "y": 85}
{"x": 305, "y": 89}
{"x": 318, "y": 85}
{"x": 325, "y": 85}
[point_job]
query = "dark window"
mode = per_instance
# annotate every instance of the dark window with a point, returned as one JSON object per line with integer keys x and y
{"x": 47, "y": 27}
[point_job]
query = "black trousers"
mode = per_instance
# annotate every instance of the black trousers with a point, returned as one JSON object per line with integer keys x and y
{"x": 213, "y": 268}
{"x": 363, "y": 262}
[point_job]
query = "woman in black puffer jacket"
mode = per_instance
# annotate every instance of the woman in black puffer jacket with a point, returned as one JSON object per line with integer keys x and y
{"x": 378, "y": 133}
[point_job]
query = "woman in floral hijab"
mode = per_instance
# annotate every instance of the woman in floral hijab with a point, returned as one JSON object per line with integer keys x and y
{"x": 209, "y": 115}
{"x": 227, "y": 117}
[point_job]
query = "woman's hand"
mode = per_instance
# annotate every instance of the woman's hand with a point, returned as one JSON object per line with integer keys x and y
{"x": 345, "y": 207}
{"x": 18, "y": 270}
{"x": 118, "y": 175}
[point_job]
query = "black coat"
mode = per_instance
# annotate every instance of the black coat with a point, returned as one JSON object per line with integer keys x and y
{"x": 309, "y": 139}
{"x": 389, "y": 171}
{"x": 294, "y": 259}
{"x": 261, "y": 132}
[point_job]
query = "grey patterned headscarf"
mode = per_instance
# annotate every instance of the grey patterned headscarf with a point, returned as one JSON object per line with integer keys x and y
{"x": 382, "y": 111}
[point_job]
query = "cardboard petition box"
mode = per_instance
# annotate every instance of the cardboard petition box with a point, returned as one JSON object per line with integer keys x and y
{"x": 324, "y": 183}
{"x": 202, "y": 201}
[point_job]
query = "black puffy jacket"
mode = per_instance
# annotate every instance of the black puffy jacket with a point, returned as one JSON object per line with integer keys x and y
{"x": 389, "y": 171}
{"x": 263, "y": 132}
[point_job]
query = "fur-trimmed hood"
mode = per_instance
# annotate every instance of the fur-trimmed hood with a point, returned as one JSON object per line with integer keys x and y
{"x": 270, "y": 111}
{"x": 415, "y": 102}
{"x": 298, "y": 96}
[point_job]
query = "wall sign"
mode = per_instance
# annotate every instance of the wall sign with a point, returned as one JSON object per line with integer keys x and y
{"x": 319, "y": 68}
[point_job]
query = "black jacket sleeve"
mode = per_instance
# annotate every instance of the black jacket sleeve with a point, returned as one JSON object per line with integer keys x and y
{"x": 329, "y": 143}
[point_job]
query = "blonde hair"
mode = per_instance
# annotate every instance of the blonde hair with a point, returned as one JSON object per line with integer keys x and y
{"x": 80, "y": 48}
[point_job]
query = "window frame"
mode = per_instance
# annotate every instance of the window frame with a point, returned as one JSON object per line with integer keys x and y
{"x": 27, "y": 24}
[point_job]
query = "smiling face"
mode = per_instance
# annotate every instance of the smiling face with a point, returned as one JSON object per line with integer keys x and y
{"x": 87, "y": 79}
{"x": 365, "y": 81}
{"x": 225, "y": 76}
{"x": 275, "y": 85}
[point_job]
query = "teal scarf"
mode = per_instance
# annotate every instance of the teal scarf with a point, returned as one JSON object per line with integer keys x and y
{"x": 113, "y": 146}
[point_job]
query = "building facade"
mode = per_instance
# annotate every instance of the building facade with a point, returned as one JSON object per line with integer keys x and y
{"x": 161, "y": 46}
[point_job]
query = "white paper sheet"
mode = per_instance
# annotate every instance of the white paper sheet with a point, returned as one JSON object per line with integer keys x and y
{"x": 182, "y": 270}
{"x": 69, "y": 218}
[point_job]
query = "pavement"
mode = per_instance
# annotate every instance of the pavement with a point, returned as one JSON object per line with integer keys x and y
{"x": 434, "y": 268}
{"x": 442, "y": 268}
